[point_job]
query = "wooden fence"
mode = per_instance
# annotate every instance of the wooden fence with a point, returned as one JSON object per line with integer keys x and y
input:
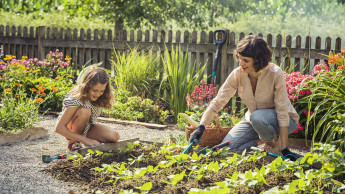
{"x": 96, "y": 46}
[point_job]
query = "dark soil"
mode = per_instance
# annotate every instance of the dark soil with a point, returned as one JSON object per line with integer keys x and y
{"x": 82, "y": 174}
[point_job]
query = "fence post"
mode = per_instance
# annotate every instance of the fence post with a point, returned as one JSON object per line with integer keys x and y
{"x": 40, "y": 37}
{"x": 224, "y": 60}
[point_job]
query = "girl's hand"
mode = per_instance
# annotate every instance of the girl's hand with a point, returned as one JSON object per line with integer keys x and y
{"x": 91, "y": 142}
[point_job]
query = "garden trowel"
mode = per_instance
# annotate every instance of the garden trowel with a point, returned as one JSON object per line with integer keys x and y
{"x": 190, "y": 145}
{"x": 48, "y": 159}
{"x": 214, "y": 148}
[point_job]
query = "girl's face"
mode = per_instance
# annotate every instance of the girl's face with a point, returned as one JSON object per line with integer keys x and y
{"x": 96, "y": 91}
{"x": 246, "y": 63}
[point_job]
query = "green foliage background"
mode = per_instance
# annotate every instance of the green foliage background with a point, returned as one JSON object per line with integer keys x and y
{"x": 324, "y": 18}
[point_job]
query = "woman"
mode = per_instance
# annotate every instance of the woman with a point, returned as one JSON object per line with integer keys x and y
{"x": 261, "y": 86}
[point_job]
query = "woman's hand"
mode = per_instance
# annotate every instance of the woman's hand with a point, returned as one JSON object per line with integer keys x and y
{"x": 91, "y": 142}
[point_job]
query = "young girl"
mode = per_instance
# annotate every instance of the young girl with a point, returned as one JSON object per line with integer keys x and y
{"x": 81, "y": 107}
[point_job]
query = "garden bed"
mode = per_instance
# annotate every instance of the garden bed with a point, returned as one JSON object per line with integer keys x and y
{"x": 146, "y": 167}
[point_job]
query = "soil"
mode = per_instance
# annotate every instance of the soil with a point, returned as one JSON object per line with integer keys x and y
{"x": 90, "y": 181}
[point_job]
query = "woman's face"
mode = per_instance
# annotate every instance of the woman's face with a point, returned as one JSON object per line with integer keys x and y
{"x": 96, "y": 91}
{"x": 246, "y": 63}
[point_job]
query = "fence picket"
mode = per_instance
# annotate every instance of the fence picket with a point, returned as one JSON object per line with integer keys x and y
{"x": 306, "y": 64}
{"x": 288, "y": 57}
{"x": 202, "y": 54}
{"x": 297, "y": 59}
{"x": 209, "y": 59}
{"x": 193, "y": 54}
{"x": 317, "y": 46}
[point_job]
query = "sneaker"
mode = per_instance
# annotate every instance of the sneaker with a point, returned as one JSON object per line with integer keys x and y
{"x": 74, "y": 146}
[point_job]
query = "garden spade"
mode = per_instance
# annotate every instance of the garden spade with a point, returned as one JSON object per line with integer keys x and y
{"x": 219, "y": 41}
{"x": 214, "y": 148}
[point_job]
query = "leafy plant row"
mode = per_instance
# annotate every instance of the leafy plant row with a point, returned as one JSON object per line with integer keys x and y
{"x": 216, "y": 172}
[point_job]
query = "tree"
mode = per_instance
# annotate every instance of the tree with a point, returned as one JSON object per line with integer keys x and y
{"x": 186, "y": 13}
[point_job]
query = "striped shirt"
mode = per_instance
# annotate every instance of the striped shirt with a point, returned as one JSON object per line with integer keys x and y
{"x": 73, "y": 102}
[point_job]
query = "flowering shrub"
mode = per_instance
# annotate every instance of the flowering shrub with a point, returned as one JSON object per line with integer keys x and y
{"x": 201, "y": 95}
{"x": 198, "y": 101}
{"x": 320, "y": 68}
{"x": 51, "y": 75}
{"x": 298, "y": 88}
{"x": 327, "y": 104}
{"x": 19, "y": 111}
{"x": 296, "y": 85}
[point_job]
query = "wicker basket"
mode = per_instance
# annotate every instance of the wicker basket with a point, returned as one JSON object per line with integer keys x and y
{"x": 211, "y": 136}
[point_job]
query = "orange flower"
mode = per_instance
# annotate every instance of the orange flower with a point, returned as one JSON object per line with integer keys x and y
{"x": 38, "y": 100}
{"x": 33, "y": 89}
{"x": 54, "y": 89}
{"x": 343, "y": 51}
{"x": 43, "y": 94}
{"x": 18, "y": 85}
{"x": 17, "y": 96}
{"x": 8, "y": 89}
{"x": 37, "y": 92}
{"x": 341, "y": 67}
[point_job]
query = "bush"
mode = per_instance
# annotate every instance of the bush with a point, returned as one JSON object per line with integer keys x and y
{"x": 135, "y": 108}
{"x": 19, "y": 112}
{"x": 135, "y": 72}
{"x": 51, "y": 76}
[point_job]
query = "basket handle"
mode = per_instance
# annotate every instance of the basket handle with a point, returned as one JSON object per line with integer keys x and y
{"x": 218, "y": 125}
{"x": 190, "y": 120}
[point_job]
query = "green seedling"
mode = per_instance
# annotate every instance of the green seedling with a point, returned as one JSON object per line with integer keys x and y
{"x": 175, "y": 179}
{"x": 91, "y": 154}
{"x": 145, "y": 187}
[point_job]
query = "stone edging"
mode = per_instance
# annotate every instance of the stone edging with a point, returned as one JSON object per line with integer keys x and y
{"x": 123, "y": 122}
{"x": 26, "y": 134}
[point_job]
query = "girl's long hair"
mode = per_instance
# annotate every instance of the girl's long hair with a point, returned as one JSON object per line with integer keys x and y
{"x": 94, "y": 75}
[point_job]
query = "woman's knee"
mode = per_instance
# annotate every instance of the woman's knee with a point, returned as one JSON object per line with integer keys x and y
{"x": 265, "y": 123}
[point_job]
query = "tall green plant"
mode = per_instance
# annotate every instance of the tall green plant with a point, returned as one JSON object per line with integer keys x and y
{"x": 181, "y": 76}
{"x": 329, "y": 106}
{"x": 136, "y": 72}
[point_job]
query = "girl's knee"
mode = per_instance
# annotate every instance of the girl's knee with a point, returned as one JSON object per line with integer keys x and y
{"x": 114, "y": 136}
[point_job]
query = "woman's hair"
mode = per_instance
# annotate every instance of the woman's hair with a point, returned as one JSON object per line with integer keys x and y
{"x": 94, "y": 75}
{"x": 254, "y": 47}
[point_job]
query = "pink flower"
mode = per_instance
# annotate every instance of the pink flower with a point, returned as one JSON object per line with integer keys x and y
{"x": 320, "y": 68}
{"x": 201, "y": 95}
{"x": 299, "y": 128}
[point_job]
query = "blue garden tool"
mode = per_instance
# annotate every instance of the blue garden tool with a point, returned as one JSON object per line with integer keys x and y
{"x": 48, "y": 159}
{"x": 219, "y": 41}
{"x": 214, "y": 148}
{"x": 190, "y": 145}
{"x": 268, "y": 153}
